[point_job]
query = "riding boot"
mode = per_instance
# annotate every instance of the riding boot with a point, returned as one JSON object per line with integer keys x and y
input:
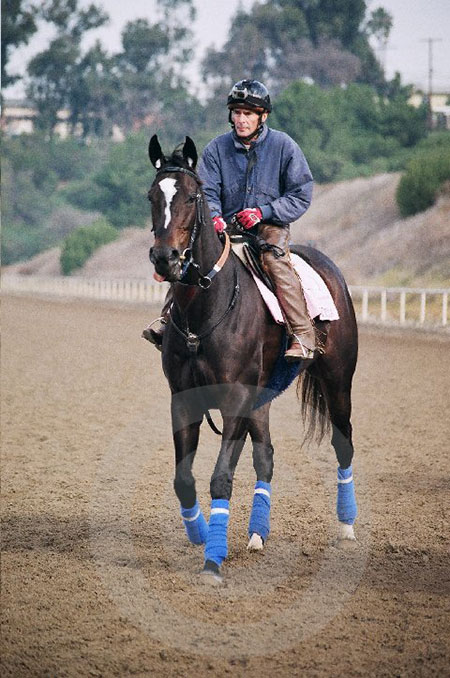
{"x": 289, "y": 292}
{"x": 155, "y": 335}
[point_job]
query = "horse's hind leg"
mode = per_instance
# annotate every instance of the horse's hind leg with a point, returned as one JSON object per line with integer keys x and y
{"x": 186, "y": 429}
{"x": 338, "y": 392}
{"x": 259, "y": 523}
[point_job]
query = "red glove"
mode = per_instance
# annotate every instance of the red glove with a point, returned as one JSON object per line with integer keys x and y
{"x": 249, "y": 217}
{"x": 219, "y": 224}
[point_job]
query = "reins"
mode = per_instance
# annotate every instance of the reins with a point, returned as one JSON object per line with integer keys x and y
{"x": 193, "y": 340}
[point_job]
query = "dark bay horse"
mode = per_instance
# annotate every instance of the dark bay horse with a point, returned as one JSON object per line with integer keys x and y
{"x": 219, "y": 350}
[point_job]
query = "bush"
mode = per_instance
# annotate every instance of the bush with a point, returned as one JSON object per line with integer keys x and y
{"x": 425, "y": 174}
{"x": 81, "y": 243}
{"x": 348, "y": 132}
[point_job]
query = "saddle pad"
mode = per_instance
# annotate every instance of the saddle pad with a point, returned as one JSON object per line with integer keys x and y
{"x": 318, "y": 298}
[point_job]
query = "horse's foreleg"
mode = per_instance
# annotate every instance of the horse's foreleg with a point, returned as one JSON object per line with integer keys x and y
{"x": 185, "y": 435}
{"x": 259, "y": 523}
{"x": 340, "y": 409}
{"x": 233, "y": 439}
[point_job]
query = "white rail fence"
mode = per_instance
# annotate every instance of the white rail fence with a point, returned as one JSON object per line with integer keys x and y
{"x": 426, "y": 307}
{"x": 379, "y": 305}
{"x": 91, "y": 288}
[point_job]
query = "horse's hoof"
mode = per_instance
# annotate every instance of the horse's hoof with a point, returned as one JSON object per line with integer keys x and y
{"x": 211, "y": 574}
{"x": 346, "y": 532}
{"x": 256, "y": 543}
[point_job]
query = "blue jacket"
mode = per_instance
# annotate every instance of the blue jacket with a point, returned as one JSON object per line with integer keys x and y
{"x": 272, "y": 175}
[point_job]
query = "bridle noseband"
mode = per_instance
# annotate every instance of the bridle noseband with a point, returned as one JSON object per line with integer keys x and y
{"x": 203, "y": 281}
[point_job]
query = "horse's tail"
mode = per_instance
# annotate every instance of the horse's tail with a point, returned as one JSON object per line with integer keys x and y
{"x": 315, "y": 414}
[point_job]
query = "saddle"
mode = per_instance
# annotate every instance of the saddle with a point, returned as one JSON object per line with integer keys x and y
{"x": 248, "y": 248}
{"x": 319, "y": 301}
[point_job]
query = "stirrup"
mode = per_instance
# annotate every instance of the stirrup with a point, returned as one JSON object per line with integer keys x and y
{"x": 304, "y": 354}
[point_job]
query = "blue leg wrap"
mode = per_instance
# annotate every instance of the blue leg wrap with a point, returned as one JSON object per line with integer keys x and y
{"x": 216, "y": 544}
{"x": 195, "y": 524}
{"x": 260, "y": 515}
{"x": 346, "y": 501}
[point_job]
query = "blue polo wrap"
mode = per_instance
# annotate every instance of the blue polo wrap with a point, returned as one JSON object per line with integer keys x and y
{"x": 216, "y": 544}
{"x": 346, "y": 501}
{"x": 195, "y": 524}
{"x": 260, "y": 515}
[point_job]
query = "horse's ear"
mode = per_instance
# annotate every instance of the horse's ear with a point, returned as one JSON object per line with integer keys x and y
{"x": 155, "y": 152}
{"x": 190, "y": 152}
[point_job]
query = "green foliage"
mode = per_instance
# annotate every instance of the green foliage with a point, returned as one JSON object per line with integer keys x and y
{"x": 81, "y": 243}
{"x": 33, "y": 171}
{"x": 424, "y": 176}
{"x": 119, "y": 189}
{"x": 347, "y": 132}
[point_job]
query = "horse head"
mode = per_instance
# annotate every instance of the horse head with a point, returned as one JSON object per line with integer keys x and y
{"x": 174, "y": 196}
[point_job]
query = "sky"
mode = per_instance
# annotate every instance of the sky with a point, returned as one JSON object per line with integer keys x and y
{"x": 414, "y": 22}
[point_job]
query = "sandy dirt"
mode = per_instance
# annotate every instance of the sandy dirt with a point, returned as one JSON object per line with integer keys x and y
{"x": 98, "y": 578}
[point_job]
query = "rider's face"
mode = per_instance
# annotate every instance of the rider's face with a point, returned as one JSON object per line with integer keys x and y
{"x": 246, "y": 121}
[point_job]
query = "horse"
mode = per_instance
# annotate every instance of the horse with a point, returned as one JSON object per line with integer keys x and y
{"x": 219, "y": 349}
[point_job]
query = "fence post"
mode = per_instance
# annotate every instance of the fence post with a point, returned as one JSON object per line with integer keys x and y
{"x": 383, "y": 305}
{"x": 423, "y": 302}
{"x": 365, "y": 304}
{"x": 402, "y": 307}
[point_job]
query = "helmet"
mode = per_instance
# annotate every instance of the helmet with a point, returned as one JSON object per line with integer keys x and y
{"x": 249, "y": 94}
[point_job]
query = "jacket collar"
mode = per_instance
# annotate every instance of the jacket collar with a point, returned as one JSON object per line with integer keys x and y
{"x": 241, "y": 147}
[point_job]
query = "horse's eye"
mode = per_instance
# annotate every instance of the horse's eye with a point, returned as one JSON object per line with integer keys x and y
{"x": 191, "y": 198}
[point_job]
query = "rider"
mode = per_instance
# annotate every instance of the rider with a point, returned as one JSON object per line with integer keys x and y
{"x": 261, "y": 176}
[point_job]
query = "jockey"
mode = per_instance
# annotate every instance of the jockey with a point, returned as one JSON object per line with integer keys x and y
{"x": 260, "y": 177}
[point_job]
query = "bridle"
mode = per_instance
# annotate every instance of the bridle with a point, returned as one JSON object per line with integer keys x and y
{"x": 188, "y": 262}
{"x": 203, "y": 281}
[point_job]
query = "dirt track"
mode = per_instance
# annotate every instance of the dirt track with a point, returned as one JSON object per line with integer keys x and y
{"x": 98, "y": 579}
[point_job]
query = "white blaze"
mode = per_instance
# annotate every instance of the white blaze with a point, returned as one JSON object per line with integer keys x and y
{"x": 168, "y": 188}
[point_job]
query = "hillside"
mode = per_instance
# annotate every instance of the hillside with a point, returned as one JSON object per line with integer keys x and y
{"x": 355, "y": 222}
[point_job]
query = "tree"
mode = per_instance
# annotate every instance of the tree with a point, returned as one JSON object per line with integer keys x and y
{"x": 18, "y": 25}
{"x": 95, "y": 96}
{"x": 287, "y": 40}
{"x": 53, "y": 72}
{"x": 380, "y": 25}
{"x": 151, "y": 67}
{"x": 70, "y": 20}
{"x": 50, "y": 75}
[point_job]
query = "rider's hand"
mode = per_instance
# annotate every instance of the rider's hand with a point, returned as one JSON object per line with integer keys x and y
{"x": 249, "y": 217}
{"x": 219, "y": 224}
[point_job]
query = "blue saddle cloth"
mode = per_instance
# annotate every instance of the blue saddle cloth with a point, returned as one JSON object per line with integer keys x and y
{"x": 283, "y": 374}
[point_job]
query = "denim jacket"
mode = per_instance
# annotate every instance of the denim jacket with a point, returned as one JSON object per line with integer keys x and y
{"x": 272, "y": 175}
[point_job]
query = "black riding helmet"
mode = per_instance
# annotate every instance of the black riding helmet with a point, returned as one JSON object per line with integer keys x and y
{"x": 249, "y": 94}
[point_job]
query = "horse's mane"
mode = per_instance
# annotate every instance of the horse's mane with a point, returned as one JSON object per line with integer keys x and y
{"x": 177, "y": 159}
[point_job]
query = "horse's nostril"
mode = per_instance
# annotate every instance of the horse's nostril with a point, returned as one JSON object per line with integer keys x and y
{"x": 175, "y": 254}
